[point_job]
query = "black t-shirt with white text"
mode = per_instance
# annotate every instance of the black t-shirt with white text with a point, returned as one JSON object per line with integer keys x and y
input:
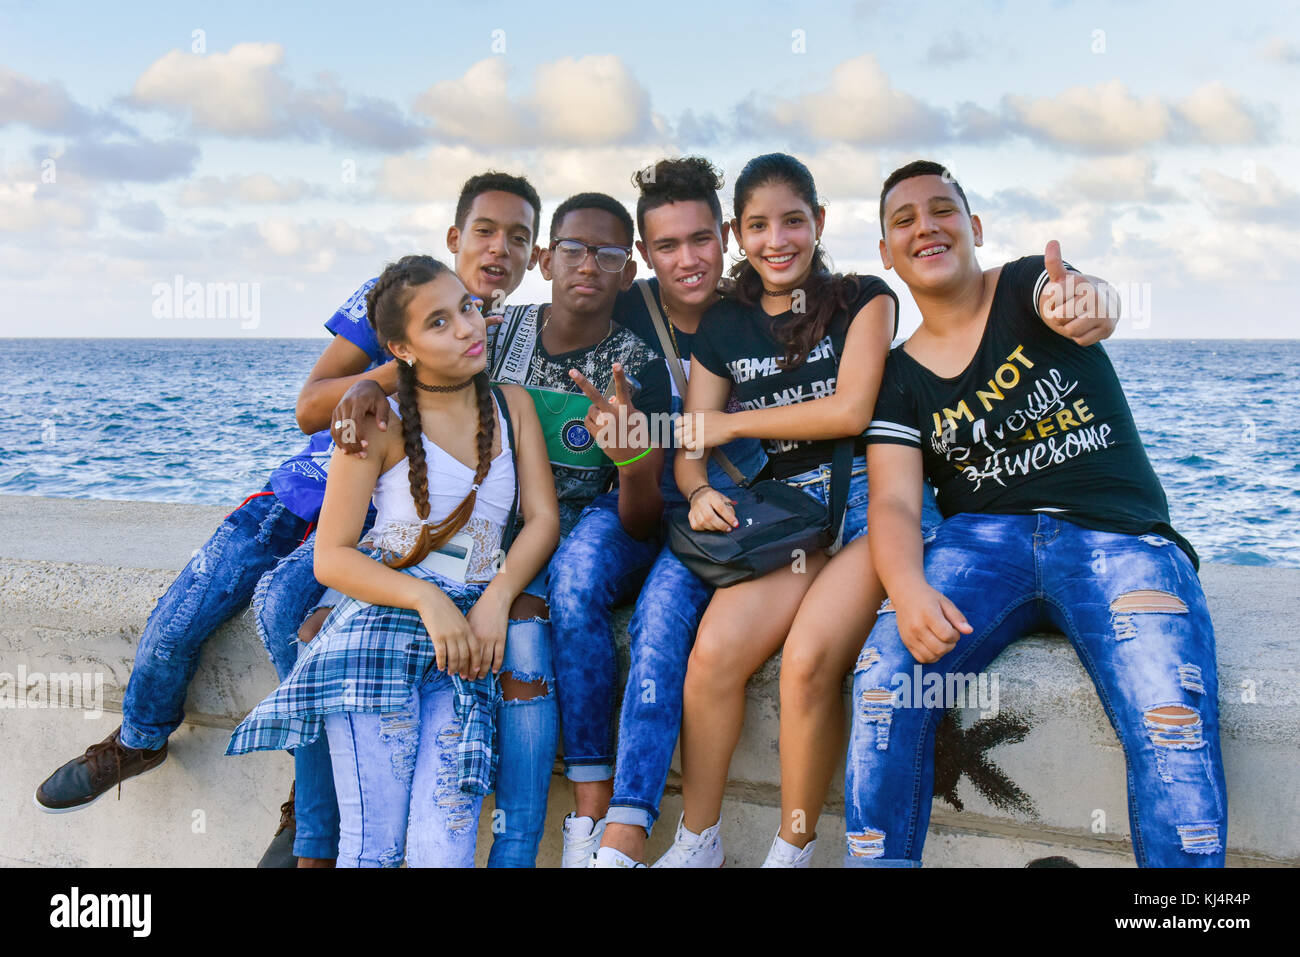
{"x": 735, "y": 341}
{"x": 1035, "y": 423}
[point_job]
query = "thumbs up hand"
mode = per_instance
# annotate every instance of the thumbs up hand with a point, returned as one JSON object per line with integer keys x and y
{"x": 1078, "y": 307}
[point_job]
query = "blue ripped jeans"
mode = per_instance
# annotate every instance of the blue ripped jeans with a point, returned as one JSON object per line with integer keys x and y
{"x": 1133, "y": 608}
{"x": 598, "y": 565}
{"x": 396, "y": 779}
{"x": 218, "y": 581}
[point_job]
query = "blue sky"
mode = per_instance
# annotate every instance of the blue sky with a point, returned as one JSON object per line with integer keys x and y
{"x": 1155, "y": 141}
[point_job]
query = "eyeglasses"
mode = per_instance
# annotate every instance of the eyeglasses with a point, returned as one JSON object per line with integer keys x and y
{"x": 573, "y": 252}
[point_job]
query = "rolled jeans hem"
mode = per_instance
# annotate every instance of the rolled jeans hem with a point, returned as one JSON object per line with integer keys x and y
{"x": 851, "y": 861}
{"x": 585, "y": 773}
{"x": 131, "y": 738}
{"x": 324, "y": 848}
{"x": 627, "y": 814}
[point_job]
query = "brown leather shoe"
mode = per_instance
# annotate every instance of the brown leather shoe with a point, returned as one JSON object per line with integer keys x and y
{"x": 83, "y": 780}
{"x": 280, "y": 851}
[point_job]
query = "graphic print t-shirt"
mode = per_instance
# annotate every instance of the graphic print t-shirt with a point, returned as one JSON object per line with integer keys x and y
{"x": 576, "y": 487}
{"x": 1035, "y": 423}
{"x": 299, "y": 482}
{"x": 735, "y": 341}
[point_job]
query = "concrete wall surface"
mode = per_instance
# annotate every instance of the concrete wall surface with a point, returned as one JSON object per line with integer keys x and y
{"x": 78, "y": 579}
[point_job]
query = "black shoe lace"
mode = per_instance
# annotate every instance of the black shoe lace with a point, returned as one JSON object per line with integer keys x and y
{"x": 95, "y": 757}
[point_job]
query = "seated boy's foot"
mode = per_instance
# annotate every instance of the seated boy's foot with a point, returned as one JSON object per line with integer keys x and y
{"x": 105, "y": 765}
{"x": 280, "y": 852}
{"x": 317, "y": 862}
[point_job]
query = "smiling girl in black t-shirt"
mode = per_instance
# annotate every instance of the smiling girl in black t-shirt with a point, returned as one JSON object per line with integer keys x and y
{"x": 803, "y": 348}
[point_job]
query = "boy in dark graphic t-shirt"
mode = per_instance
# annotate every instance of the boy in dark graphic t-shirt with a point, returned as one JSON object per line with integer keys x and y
{"x": 1008, "y": 405}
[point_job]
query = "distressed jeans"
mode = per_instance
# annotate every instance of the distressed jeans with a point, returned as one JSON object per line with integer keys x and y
{"x": 594, "y": 568}
{"x": 1132, "y": 607}
{"x": 396, "y": 779}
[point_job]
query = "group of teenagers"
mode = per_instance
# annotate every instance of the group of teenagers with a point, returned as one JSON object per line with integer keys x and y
{"x": 434, "y": 576}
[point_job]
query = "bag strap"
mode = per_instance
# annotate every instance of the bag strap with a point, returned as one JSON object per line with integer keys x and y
{"x": 508, "y": 535}
{"x": 841, "y": 466}
{"x": 678, "y": 373}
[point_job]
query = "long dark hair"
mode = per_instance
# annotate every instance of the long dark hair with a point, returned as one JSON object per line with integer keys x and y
{"x": 386, "y": 308}
{"x": 825, "y": 292}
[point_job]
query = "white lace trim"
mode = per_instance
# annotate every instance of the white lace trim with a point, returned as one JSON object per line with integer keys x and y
{"x": 400, "y": 538}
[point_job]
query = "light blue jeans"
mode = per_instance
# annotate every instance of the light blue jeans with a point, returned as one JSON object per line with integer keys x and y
{"x": 396, "y": 779}
{"x": 1133, "y": 608}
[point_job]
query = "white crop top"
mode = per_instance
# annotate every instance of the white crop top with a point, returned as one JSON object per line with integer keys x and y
{"x": 470, "y": 554}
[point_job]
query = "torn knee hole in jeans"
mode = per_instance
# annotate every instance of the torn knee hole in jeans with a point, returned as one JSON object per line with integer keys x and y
{"x": 876, "y": 707}
{"x": 1142, "y": 602}
{"x": 530, "y": 608}
{"x": 1189, "y": 676}
{"x": 523, "y": 686}
{"x": 868, "y": 657}
{"x": 1200, "y": 838}
{"x": 866, "y": 843}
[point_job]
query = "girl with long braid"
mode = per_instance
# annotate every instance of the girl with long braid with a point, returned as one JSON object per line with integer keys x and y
{"x": 402, "y": 676}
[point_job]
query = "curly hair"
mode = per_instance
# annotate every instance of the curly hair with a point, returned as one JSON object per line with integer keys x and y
{"x": 689, "y": 179}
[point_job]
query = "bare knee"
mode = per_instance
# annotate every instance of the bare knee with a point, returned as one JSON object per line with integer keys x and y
{"x": 713, "y": 663}
{"x": 515, "y": 689}
{"x": 309, "y": 628}
{"x": 527, "y": 607}
{"x": 808, "y": 675}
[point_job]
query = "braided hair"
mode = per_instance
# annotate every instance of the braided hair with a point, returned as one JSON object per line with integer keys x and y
{"x": 827, "y": 292}
{"x": 386, "y": 308}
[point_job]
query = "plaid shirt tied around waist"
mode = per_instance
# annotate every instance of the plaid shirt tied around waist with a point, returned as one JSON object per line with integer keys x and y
{"x": 370, "y": 658}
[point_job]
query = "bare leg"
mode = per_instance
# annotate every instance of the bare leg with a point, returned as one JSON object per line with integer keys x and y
{"x": 743, "y": 626}
{"x": 833, "y": 621}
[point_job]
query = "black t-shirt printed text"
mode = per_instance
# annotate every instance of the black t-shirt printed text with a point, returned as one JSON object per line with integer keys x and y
{"x": 1035, "y": 423}
{"x": 735, "y": 341}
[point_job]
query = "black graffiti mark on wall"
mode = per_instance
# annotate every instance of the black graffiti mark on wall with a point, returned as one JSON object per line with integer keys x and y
{"x": 959, "y": 751}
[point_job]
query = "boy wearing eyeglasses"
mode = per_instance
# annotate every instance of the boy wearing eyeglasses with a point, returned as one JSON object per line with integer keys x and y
{"x": 597, "y": 388}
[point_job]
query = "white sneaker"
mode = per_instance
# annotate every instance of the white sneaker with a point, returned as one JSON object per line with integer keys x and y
{"x": 694, "y": 850}
{"x": 581, "y": 838}
{"x": 612, "y": 857}
{"x": 783, "y": 854}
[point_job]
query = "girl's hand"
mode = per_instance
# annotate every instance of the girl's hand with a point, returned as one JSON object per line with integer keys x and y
{"x": 488, "y": 620}
{"x": 697, "y": 432}
{"x": 711, "y": 511}
{"x": 454, "y": 644}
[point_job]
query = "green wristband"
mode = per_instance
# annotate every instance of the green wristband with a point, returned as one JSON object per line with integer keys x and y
{"x": 634, "y": 458}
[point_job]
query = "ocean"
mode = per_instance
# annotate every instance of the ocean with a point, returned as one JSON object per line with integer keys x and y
{"x": 207, "y": 420}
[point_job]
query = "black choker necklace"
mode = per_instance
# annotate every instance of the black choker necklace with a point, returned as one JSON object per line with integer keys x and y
{"x": 769, "y": 292}
{"x": 442, "y": 388}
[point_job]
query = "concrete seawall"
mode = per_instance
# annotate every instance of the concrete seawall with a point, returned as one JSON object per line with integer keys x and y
{"x": 78, "y": 579}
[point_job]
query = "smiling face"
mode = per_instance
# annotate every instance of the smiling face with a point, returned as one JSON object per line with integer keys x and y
{"x": 586, "y": 289}
{"x": 445, "y": 332}
{"x": 930, "y": 239}
{"x": 496, "y": 246}
{"x": 684, "y": 245}
{"x": 778, "y": 231}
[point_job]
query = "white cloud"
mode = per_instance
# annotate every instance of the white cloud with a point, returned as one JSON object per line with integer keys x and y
{"x": 1109, "y": 179}
{"x": 46, "y": 107}
{"x": 1256, "y": 197}
{"x": 26, "y": 207}
{"x": 1218, "y": 115}
{"x": 858, "y": 106}
{"x": 591, "y": 100}
{"x": 242, "y": 93}
{"x": 1103, "y": 117}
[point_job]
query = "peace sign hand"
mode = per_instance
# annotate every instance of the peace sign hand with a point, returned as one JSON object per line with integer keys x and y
{"x": 613, "y": 420}
{"x": 1074, "y": 305}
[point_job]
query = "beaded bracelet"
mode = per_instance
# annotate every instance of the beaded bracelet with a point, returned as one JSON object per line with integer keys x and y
{"x": 691, "y": 497}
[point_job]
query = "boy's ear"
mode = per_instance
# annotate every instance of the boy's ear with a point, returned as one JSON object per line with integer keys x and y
{"x": 645, "y": 256}
{"x": 534, "y": 256}
{"x": 977, "y": 228}
{"x": 544, "y": 263}
{"x": 453, "y": 240}
{"x": 885, "y": 259}
{"x": 629, "y": 274}
{"x": 725, "y": 232}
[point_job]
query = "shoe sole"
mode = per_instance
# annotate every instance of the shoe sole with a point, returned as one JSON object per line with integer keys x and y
{"x": 78, "y": 807}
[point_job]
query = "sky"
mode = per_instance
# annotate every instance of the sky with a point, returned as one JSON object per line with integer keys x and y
{"x": 293, "y": 149}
